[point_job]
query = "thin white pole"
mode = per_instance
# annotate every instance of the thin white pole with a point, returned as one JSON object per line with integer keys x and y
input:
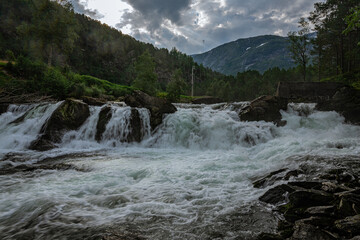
{"x": 192, "y": 81}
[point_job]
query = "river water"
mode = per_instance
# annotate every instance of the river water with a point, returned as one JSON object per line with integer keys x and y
{"x": 191, "y": 179}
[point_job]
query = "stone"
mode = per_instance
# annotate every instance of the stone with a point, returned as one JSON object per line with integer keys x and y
{"x": 307, "y": 91}
{"x": 349, "y": 225}
{"x": 93, "y": 101}
{"x": 319, "y": 221}
{"x": 135, "y": 134}
{"x": 3, "y": 107}
{"x": 277, "y": 194}
{"x": 331, "y": 187}
{"x": 310, "y": 197}
{"x": 307, "y": 231}
{"x": 349, "y": 204}
{"x": 268, "y": 179}
{"x": 322, "y": 211}
{"x": 307, "y": 185}
{"x": 345, "y": 101}
{"x": 293, "y": 173}
{"x": 158, "y": 107}
{"x": 269, "y": 236}
{"x": 207, "y": 100}
{"x": 104, "y": 118}
{"x": 265, "y": 108}
{"x": 70, "y": 115}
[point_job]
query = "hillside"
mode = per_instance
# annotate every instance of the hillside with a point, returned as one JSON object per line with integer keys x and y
{"x": 256, "y": 53}
{"x": 45, "y": 31}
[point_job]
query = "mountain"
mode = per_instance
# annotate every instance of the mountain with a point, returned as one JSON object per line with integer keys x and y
{"x": 256, "y": 53}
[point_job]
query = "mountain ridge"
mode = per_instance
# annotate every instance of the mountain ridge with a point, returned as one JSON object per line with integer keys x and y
{"x": 255, "y": 53}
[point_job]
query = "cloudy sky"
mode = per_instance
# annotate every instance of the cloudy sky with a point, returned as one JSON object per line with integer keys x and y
{"x": 195, "y": 26}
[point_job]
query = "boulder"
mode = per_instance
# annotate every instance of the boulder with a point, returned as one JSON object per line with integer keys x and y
{"x": 136, "y": 133}
{"x": 207, "y": 100}
{"x": 310, "y": 197}
{"x": 93, "y": 101}
{"x": 307, "y": 185}
{"x": 306, "y": 231}
{"x": 277, "y": 194}
{"x": 345, "y": 101}
{"x": 321, "y": 211}
{"x": 70, "y": 115}
{"x": 3, "y": 107}
{"x": 349, "y": 225}
{"x": 104, "y": 118}
{"x": 265, "y": 108}
{"x": 158, "y": 107}
{"x": 307, "y": 91}
{"x": 269, "y": 179}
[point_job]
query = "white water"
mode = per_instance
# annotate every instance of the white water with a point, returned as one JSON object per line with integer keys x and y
{"x": 190, "y": 180}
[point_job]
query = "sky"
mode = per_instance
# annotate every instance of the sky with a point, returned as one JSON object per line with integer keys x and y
{"x": 196, "y": 26}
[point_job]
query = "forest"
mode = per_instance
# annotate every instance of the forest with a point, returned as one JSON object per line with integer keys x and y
{"x": 49, "y": 49}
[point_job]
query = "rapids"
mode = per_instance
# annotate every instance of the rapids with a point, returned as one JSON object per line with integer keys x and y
{"x": 189, "y": 179}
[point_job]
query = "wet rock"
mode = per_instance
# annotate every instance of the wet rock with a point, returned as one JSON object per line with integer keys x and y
{"x": 277, "y": 194}
{"x": 268, "y": 179}
{"x": 319, "y": 221}
{"x": 331, "y": 187}
{"x": 266, "y": 108}
{"x": 285, "y": 229}
{"x": 310, "y": 197}
{"x": 93, "y": 101}
{"x": 269, "y": 236}
{"x": 306, "y": 231}
{"x": 136, "y": 133}
{"x": 350, "y": 225}
{"x": 307, "y": 91}
{"x": 293, "y": 173}
{"x": 207, "y": 100}
{"x": 104, "y": 118}
{"x": 307, "y": 185}
{"x": 349, "y": 204}
{"x": 31, "y": 168}
{"x": 322, "y": 211}
{"x": 345, "y": 101}
{"x": 3, "y": 107}
{"x": 70, "y": 115}
{"x": 158, "y": 107}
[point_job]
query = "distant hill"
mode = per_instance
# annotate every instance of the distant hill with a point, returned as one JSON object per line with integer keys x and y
{"x": 255, "y": 53}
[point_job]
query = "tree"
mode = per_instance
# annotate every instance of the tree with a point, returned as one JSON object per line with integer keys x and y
{"x": 146, "y": 78}
{"x": 335, "y": 53}
{"x": 353, "y": 22}
{"x": 176, "y": 86}
{"x": 300, "y": 46}
{"x": 55, "y": 26}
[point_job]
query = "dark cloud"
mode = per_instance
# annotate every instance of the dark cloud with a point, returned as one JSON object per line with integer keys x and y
{"x": 82, "y": 8}
{"x": 195, "y": 26}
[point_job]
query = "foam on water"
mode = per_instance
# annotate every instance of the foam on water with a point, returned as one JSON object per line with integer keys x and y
{"x": 190, "y": 180}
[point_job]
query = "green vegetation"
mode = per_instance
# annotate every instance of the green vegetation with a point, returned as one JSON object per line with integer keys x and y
{"x": 53, "y": 51}
{"x": 300, "y": 46}
{"x": 26, "y": 77}
{"x": 146, "y": 78}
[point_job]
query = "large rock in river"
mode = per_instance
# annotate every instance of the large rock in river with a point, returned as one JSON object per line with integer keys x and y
{"x": 135, "y": 133}
{"x": 157, "y": 106}
{"x": 266, "y": 108}
{"x": 70, "y": 115}
{"x": 345, "y": 101}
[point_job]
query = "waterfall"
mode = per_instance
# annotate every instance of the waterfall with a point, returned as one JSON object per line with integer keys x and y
{"x": 20, "y": 125}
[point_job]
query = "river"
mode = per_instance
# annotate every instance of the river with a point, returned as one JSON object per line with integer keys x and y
{"x": 191, "y": 179}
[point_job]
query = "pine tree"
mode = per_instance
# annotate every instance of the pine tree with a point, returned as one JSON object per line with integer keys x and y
{"x": 146, "y": 78}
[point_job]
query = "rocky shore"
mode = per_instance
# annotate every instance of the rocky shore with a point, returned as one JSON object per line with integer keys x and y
{"x": 313, "y": 202}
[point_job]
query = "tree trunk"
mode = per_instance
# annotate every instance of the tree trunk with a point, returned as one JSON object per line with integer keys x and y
{"x": 50, "y": 55}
